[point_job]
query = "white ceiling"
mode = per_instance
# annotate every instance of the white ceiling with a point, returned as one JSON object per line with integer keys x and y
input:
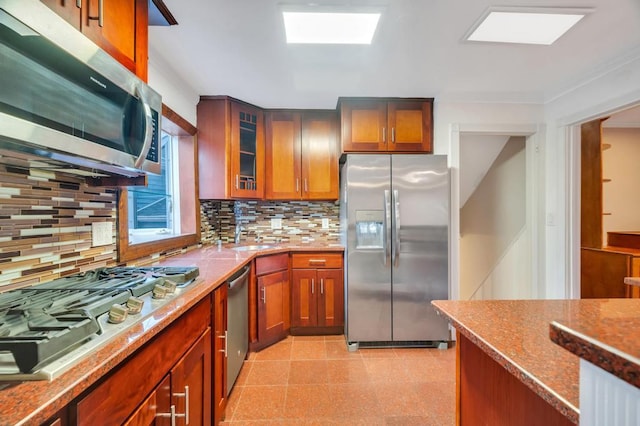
{"x": 237, "y": 48}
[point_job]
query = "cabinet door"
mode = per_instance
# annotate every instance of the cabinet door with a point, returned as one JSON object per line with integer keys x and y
{"x": 247, "y": 152}
{"x": 156, "y": 409}
{"x": 273, "y": 304}
{"x": 364, "y": 125}
{"x": 282, "y": 160}
{"x": 191, "y": 383}
{"x": 219, "y": 353}
{"x": 68, "y": 9}
{"x": 320, "y": 156}
{"x": 331, "y": 298}
{"x": 120, "y": 27}
{"x": 304, "y": 309}
{"x": 410, "y": 124}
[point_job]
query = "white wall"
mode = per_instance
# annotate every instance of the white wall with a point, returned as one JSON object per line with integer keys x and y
{"x": 494, "y": 251}
{"x": 620, "y": 164}
{"x": 602, "y": 93}
{"x": 477, "y": 154}
{"x": 176, "y": 94}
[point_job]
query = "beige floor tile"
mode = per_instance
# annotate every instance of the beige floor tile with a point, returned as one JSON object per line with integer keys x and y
{"x": 388, "y": 369}
{"x": 260, "y": 403}
{"x": 244, "y": 372}
{"x": 232, "y": 402}
{"x": 355, "y": 400}
{"x": 308, "y": 349}
{"x": 338, "y": 349}
{"x": 280, "y": 351}
{"x": 377, "y": 353}
{"x": 334, "y": 337}
{"x": 307, "y": 372}
{"x": 309, "y": 402}
{"x": 268, "y": 373}
{"x": 347, "y": 371}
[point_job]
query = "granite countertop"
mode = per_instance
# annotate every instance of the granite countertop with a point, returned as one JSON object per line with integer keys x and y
{"x": 604, "y": 332}
{"x": 515, "y": 333}
{"x": 33, "y": 402}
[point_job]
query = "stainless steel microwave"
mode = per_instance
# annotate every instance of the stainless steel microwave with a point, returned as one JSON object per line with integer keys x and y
{"x": 64, "y": 98}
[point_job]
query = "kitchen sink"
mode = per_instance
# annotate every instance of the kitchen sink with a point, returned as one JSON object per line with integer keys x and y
{"x": 252, "y": 247}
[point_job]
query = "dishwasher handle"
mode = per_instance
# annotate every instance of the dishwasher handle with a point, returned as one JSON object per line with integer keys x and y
{"x": 240, "y": 278}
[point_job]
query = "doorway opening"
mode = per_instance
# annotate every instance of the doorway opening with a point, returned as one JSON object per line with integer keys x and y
{"x": 494, "y": 212}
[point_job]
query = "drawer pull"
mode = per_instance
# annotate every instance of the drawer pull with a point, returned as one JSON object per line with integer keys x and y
{"x": 171, "y": 415}
{"x": 185, "y": 395}
{"x": 317, "y": 261}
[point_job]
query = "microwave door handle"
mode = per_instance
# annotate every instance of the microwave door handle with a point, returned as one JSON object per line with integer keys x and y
{"x": 148, "y": 129}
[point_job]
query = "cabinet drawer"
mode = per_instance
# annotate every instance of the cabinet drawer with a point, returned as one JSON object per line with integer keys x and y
{"x": 316, "y": 260}
{"x": 273, "y": 263}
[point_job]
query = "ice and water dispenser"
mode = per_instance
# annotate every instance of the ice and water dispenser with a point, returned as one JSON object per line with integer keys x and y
{"x": 369, "y": 229}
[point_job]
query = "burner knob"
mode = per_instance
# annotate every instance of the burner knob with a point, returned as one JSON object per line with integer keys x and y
{"x": 117, "y": 314}
{"x": 170, "y": 286}
{"x": 134, "y": 305}
{"x": 159, "y": 292}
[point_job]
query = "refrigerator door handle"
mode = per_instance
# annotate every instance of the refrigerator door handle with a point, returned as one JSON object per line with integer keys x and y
{"x": 386, "y": 237}
{"x": 395, "y": 259}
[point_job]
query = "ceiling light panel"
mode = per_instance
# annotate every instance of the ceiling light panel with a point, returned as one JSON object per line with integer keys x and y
{"x": 527, "y": 26}
{"x": 330, "y": 27}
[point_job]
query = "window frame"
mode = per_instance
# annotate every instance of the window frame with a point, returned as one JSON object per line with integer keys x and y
{"x": 175, "y": 125}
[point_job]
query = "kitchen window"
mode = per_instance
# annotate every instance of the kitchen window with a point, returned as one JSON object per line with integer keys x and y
{"x": 153, "y": 209}
{"x": 162, "y": 215}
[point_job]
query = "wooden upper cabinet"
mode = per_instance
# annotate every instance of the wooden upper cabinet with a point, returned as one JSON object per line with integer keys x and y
{"x": 120, "y": 27}
{"x": 301, "y": 155}
{"x": 283, "y": 151}
{"x": 386, "y": 124}
{"x": 230, "y": 149}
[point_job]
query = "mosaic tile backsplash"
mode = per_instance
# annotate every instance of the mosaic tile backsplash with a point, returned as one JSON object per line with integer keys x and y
{"x": 300, "y": 221}
{"x": 46, "y": 217}
{"x": 45, "y": 226}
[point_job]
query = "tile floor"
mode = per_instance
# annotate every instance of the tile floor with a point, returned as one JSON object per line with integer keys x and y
{"x": 314, "y": 380}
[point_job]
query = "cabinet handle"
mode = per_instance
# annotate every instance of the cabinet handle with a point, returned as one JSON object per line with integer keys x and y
{"x": 100, "y": 17}
{"x": 225, "y": 343}
{"x": 313, "y": 286}
{"x": 393, "y": 134}
{"x": 322, "y": 286}
{"x": 384, "y": 134}
{"x": 171, "y": 415}
{"x": 297, "y": 184}
{"x": 306, "y": 185}
{"x": 317, "y": 261}
{"x": 237, "y": 182}
{"x": 264, "y": 295}
{"x": 184, "y": 394}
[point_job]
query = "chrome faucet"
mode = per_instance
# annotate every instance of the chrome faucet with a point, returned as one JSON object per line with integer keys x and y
{"x": 239, "y": 229}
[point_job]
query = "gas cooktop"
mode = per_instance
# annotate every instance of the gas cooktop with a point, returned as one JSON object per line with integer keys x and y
{"x": 45, "y": 329}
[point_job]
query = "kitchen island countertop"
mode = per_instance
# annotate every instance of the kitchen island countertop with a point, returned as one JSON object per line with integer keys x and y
{"x": 515, "y": 334}
{"x": 605, "y": 333}
{"x": 33, "y": 402}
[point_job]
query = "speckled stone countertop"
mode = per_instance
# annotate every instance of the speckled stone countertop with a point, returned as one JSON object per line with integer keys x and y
{"x": 605, "y": 332}
{"x": 515, "y": 333}
{"x": 36, "y": 401}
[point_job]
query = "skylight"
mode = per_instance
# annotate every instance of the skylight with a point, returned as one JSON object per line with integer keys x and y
{"x": 330, "y": 28}
{"x": 532, "y": 26}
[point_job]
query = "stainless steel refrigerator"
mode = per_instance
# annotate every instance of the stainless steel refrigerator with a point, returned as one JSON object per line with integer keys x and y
{"x": 395, "y": 211}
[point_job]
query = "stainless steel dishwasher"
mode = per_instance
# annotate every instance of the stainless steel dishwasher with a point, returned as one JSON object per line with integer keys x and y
{"x": 237, "y": 324}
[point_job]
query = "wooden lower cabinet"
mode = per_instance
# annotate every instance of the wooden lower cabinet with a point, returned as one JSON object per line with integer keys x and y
{"x": 270, "y": 300}
{"x": 181, "y": 354}
{"x": 488, "y": 394}
{"x": 219, "y": 353}
{"x": 272, "y": 306}
{"x": 184, "y": 395}
{"x": 602, "y": 271}
{"x": 317, "y": 294}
